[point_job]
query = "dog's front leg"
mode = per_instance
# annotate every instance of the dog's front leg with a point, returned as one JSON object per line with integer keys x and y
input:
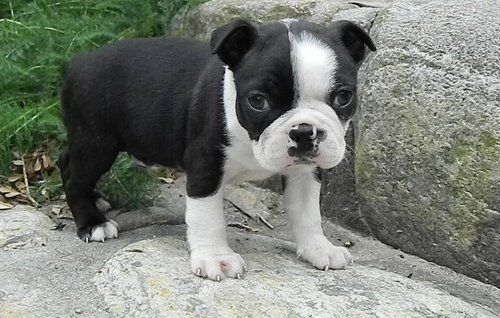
{"x": 302, "y": 204}
{"x": 211, "y": 256}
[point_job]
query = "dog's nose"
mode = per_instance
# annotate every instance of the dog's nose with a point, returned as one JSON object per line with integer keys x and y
{"x": 303, "y": 133}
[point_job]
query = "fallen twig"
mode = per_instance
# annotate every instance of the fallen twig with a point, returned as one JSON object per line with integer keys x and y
{"x": 241, "y": 210}
{"x": 266, "y": 223}
{"x": 243, "y": 226}
{"x": 28, "y": 195}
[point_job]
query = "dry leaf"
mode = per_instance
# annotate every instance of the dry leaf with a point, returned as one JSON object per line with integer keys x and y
{"x": 166, "y": 180}
{"x": 47, "y": 162}
{"x": 56, "y": 210}
{"x": 5, "y": 206}
{"x": 29, "y": 171}
{"x": 6, "y": 189}
{"x": 15, "y": 177}
{"x": 38, "y": 165}
{"x": 12, "y": 194}
{"x": 17, "y": 162}
{"x": 20, "y": 185}
{"x": 22, "y": 199}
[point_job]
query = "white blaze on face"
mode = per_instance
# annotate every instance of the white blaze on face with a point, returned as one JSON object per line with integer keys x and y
{"x": 314, "y": 65}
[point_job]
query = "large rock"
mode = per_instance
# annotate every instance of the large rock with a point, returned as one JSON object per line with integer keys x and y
{"x": 23, "y": 226}
{"x": 428, "y": 135}
{"x": 58, "y": 278}
{"x": 152, "y": 279}
{"x": 202, "y": 20}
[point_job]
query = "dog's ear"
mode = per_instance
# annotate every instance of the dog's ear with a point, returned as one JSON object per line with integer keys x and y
{"x": 231, "y": 41}
{"x": 353, "y": 37}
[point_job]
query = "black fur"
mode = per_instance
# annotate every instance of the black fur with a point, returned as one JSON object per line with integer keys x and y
{"x": 128, "y": 97}
{"x": 273, "y": 78}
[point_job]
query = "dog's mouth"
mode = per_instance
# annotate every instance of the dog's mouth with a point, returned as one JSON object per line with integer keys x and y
{"x": 303, "y": 161}
{"x": 301, "y": 154}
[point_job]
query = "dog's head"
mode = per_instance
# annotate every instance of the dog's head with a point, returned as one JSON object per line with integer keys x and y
{"x": 295, "y": 87}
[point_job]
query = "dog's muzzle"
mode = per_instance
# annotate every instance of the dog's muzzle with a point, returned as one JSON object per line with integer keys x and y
{"x": 307, "y": 139}
{"x": 311, "y": 135}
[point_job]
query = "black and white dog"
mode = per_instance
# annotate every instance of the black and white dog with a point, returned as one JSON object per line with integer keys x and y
{"x": 254, "y": 102}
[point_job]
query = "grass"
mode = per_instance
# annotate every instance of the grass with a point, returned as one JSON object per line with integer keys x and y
{"x": 36, "y": 39}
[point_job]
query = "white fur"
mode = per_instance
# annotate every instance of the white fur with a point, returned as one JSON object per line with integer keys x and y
{"x": 211, "y": 256}
{"x": 314, "y": 65}
{"x": 107, "y": 230}
{"x": 102, "y": 205}
{"x": 271, "y": 149}
{"x": 302, "y": 205}
{"x": 288, "y": 21}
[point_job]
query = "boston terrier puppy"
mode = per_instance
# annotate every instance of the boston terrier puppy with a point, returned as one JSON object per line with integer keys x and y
{"x": 255, "y": 101}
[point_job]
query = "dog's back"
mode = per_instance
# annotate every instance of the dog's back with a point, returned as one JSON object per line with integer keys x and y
{"x": 128, "y": 91}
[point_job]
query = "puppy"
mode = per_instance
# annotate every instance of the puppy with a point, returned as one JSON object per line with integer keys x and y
{"x": 254, "y": 102}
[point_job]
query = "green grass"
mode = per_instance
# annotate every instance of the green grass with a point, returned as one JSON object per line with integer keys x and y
{"x": 36, "y": 39}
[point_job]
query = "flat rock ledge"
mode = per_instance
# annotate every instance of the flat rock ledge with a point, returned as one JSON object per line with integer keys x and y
{"x": 151, "y": 278}
{"x": 23, "y": 227}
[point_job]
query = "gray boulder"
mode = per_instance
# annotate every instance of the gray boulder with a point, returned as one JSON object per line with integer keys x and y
{"x": 428, "y": 134}
{"x": 145, "y": 273}
{"x": 22, "y": 227}
{"x": 154, "y": 281}
{"x": 200, "y": 21}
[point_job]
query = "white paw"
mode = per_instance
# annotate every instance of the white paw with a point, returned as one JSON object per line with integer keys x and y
{"x": 102, "y": 205}
{"x": 217, "y": 264}
{"x": 101, "y": 232}
{"x": 322, "y": 254}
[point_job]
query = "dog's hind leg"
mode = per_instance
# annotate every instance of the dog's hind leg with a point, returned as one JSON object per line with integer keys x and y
{"x": 89, "y": 159}
{"x": 63, "y": 164}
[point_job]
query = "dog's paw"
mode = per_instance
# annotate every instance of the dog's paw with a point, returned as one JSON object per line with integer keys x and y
{"x": 99, "y": 233}
{"x": 102, "y": 205}
{"x": 322, "y": 254}
{"x": 217, "y": 265}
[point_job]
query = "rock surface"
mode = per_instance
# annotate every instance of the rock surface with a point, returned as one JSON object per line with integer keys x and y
{"x": 23, "y": 227}
{"x": 145, "y": 271}
{"x": 428, "y": 134}
{"x": 157, "y": 283}
{"x": 202, "y": 20}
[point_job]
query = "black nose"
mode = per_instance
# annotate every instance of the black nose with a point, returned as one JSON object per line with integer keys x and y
{"x": 302, "y": 133}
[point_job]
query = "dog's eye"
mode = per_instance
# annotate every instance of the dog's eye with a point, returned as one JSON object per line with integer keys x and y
{"x": 258, "y": 101}
{"x": 342, "y": 98}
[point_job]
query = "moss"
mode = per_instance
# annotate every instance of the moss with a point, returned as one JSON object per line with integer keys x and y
{"x": 470, "y": 186}
{"x": 488, "y": 143}
{"x": 461, "y": 152}
{"x": 421, "y": 184}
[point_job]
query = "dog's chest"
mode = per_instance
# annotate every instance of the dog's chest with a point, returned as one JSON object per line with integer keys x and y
{"x": 240, "y": 163}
